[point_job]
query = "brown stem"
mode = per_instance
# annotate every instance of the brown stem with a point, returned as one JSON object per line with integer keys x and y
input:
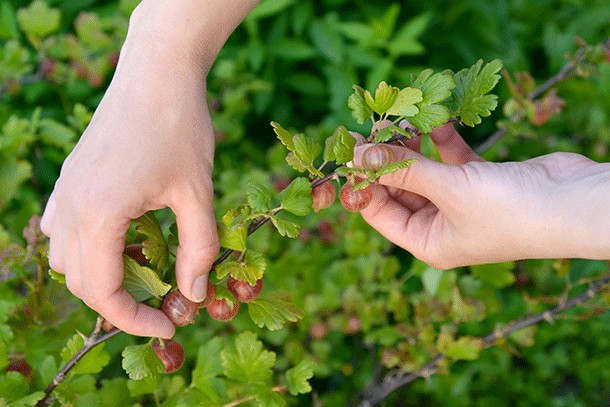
{"x": 375, "y": 393}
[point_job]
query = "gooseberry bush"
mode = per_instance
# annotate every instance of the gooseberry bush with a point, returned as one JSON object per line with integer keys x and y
{"x": 303, "y": 308}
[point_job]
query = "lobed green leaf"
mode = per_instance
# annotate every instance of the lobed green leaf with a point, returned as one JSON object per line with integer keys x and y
{"x": 296, "y": 198}
{"x": 361, "y": 111}
{"x": 273, "y": 311}
{"x": 154, "y": 245}
{"x": 298, "y": 377}
{"x": 142, "y": 282}
{"x": 246, "y": 361}
{"x": 141, "y": 361}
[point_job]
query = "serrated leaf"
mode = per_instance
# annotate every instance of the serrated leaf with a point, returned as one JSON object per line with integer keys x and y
{"x": 435, "y": 89}
{"x": 361, "y": 111}
{"x": 266, "y": 397}
{"x": 345, "y": 171}
{"x": 140, "y": 361}
{"x": 465, "y": 348}
{"x": 297, "y": 377}
{"x": 343, "y": 145}
{"x": 430, "y": 116}
{"x": 93, "y": 362}
{"x": 283, "y": 134}
{"x": 142, "y": 282}
{"x": 296, "y": 198}
{"x": 307, "y": 150}
{"x": 390, "y": 131}
{"x": 60, "y": 278}
{"x": 246, "y": 361}
{"x": 471, "y": 101}
{"x": 385, "y": 96}
{"x": 250, "y": 269}
{"x": 362, "y": 184}
{"x": 154, "y": 245}
{"x": 232, "y": 238}
{"x": 404, "y": 104}
{"x": 273, "y": 311}
{"x": 207, "y": 369}
{"x": 13, "y": 386}
{"x": 259, "y": 196}
{"x": 396, "y": 166}
{"x": 285, "y": 228}
{"x": 295, "y": 162}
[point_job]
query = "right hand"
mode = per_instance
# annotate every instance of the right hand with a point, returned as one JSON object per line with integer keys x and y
{"x": 467, "y": 211}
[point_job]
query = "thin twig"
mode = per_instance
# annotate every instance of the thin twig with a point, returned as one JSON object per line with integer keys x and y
{"x": 377, "y": 392}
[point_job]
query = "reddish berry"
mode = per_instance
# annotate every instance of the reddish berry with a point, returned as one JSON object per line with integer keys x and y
{"x": 135, "y": 252}
{"x": 180, "y": 310}
{"x": 243, "y": 291}
{"x": 220, "y": 310}
{"x": 171, "y": 354}
{"x": 279, "y": 184}
{"x": 355, "y": 201}
{"x": 113, "y": 59}
{"x": 353, "y": 325}
{"x": 21, "y": 366}
{"x": 323, "y": 196}
{"x": 210, "y": 295}
{"x": 326, "y": 232}
{"x": 48, "y": 67}
{"x": 107, "y": 326}
{"x": 377, "y": 156}
{"x": 80, "y": 69}
{"x": 96, "y": 80}
{"x": 318, "y": 330}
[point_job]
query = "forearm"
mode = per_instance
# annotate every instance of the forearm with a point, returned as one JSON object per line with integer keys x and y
{"x": 190, "y": 32}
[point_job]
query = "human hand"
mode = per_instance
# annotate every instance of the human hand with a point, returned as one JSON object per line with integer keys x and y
{"x": 467, "y": 211}
{"x": 149, "y": 145}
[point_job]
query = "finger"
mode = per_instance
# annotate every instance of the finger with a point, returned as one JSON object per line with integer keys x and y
{"x": 396, "y": 222}
{"x": 48, "y": 217}
{"x": 55, "y": 246}
{"x": 101, "y": 284}
{"x": 424, "y": 176}
{"x": 451, "y": 146}
{"x": 198, "y": 244}
{"x": 70, "y": 258}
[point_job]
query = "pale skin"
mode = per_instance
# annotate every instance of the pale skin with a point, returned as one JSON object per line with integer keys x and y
{"x": 150, "y": 145}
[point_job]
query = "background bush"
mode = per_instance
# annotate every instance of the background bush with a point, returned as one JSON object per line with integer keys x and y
{"x": 295, "y": 62}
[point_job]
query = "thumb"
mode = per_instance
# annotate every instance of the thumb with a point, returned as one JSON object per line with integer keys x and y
{"x": 198, "y": 247}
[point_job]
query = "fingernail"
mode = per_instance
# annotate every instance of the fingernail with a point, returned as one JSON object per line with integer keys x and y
{"x": 200, "y": 287}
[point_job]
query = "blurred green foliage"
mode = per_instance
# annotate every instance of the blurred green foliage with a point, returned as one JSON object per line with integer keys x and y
{"x": 295, "y": 62}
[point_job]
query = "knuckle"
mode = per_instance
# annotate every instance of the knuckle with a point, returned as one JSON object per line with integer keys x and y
{"x": 73, "y": 285}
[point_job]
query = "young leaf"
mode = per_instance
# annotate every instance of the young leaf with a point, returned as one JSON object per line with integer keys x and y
{"x": 259, "y": 196}
{"x": 436, "y": 88}
{"x": 285, "y": 228}
{"x": 296, "y": 198}
{"x": 345, "y": 171}
{"x": 361, "y": 111}
{"x": 140, "y": 361}
{"x": 38, "y": 19}
{"x": 154, "y": 245}
{"x": 273, "y": 310}
{"x": 61, "y": 278}
{"x": 340, "y": 146}
{"x": 385, "y": 96}
{"x": 303, "y": 150}
{"x": 235, "y": 237}
{"x": 404, "y": 105}
{"x": 93, "y": 362}
{"x": 363, "y": 184}
{"x": 142, "y": 282}
{"x": 396, "y": 166}
{"x": 250, "y": 270}
{"x": 246, "y": 361}
{"x": 267, "y": 397}
{"x": 283, "y": 134}
{"x": 471, "y": 101}
{"x": 499, "y": 274}
{"x": 390, "y": 131}
{"x": 297, "y": 377}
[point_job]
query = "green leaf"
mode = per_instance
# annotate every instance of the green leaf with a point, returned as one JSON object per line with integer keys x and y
{"x": 361, "y": 111}
{"x": 297, "y": 377}
{"x": 13, "y": 173}
{"x": 8, "y": 21}
{"x": 250, "y": 270}
{"x": 465, "y": 348}
{"x": 142, "y": 282}
{"x": 57, "y": 134}
{"x": 246, "y": 361}
{"x": 259, "y": 196}
{"x": 470, "y": 98}
{"x": 396, "y": 166}
{"x": 342, "y": 145}
{"x": 30, "y": 400}
{"x": 13, "y": 386}
{"x": 303, "y": 150}
{"x": 265, "y": 396}
{"x": 283, "y": 135}
{"x": 296, "y": 198}
{"x": 231, "y": 236}
{"x": 273, "y": 311}
{"x": 436, "y": 88}
{"x": 154, "y": 245}
{"x": 93, "y": 362}
{"x": 285, "y": 228}
{"x": 499, "y": 274}
{"x": 38, "y": 19}
{"x": 140, "y": 361}
{"x": 385, "y": 96}
{"x": 267, "y": 8}
{"x": 404, "y": 104}
{"x": 405, "y": 41}
{"x": 345, "y": 171}
{"x": 390, "y": 131}
{"x": 207, "y": 370}
{"x": 61, "y": 278}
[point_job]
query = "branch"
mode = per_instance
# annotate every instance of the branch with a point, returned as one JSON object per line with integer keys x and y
{"x": 565, "y": 72}
{"x": 375, "y": 393}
